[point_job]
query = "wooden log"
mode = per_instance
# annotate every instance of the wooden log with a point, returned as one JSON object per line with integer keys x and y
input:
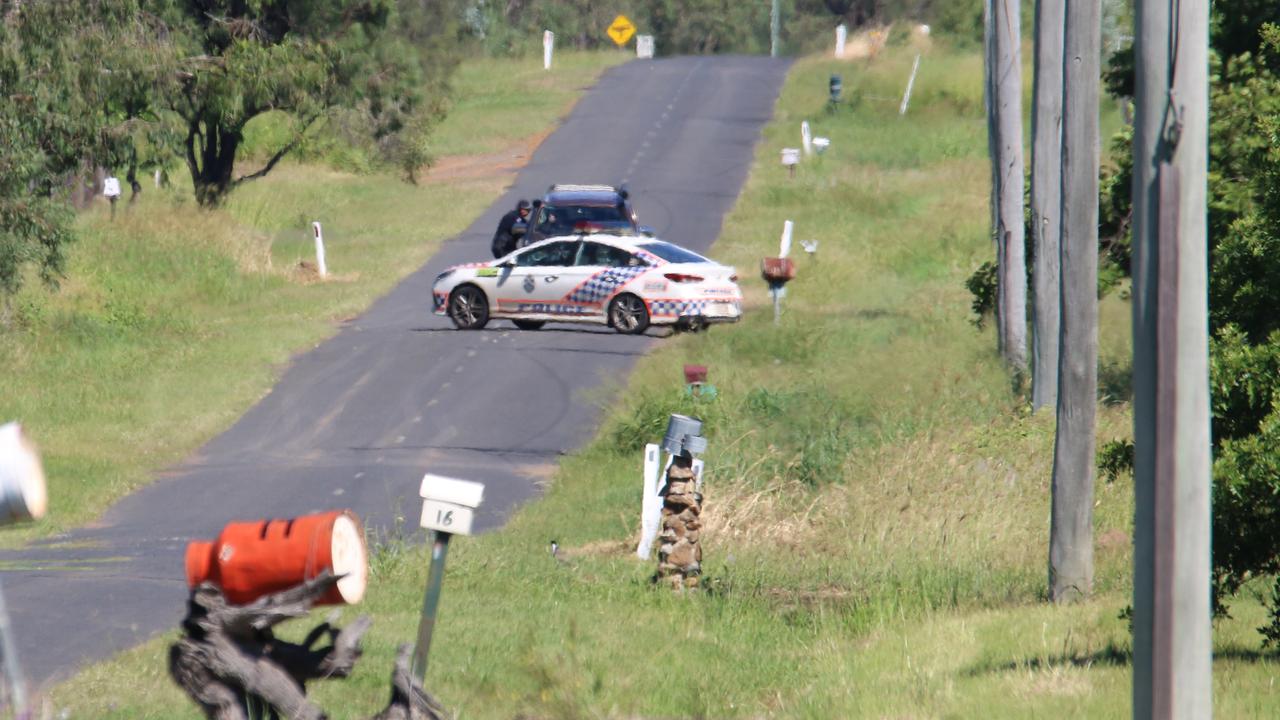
{"x": 233, "y": 667}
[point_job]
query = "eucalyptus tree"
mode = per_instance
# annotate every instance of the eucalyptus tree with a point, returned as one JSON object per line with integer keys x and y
{"x": 55, "y": 85}
{"x": 303, "y": 59}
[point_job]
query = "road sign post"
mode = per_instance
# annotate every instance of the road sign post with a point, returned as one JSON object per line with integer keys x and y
{"x": 548, "y": 48}
{"x": 621, "y": 30}
{"x": 448, "y": 509}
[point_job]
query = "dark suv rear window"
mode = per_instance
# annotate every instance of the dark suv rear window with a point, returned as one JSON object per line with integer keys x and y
{"x": 673, "y": 253}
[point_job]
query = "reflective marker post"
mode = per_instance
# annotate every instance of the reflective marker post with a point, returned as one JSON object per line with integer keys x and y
{"x": 448, "y": 508}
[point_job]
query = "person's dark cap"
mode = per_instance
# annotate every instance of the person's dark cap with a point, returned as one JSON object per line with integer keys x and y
{"x": 522, "y": 205}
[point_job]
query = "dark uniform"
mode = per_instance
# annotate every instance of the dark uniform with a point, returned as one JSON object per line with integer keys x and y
{"x": 510, "y": 228}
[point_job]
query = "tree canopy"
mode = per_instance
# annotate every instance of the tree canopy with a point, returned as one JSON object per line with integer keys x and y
{"x": 132, "y": 84}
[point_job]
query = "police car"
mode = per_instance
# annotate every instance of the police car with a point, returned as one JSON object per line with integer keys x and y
{"x": 628, "y": 283}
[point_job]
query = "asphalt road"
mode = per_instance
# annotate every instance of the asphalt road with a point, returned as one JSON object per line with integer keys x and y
{"x": 398, "y": 392}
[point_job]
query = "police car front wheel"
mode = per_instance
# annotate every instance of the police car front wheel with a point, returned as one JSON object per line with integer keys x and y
{"x": 468, "y": 308}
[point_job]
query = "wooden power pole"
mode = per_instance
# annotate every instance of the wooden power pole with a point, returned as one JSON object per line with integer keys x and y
{"x": 1172, "y": 637}
{"x": 1010, "y": 234}
{"x": 1046, "y": 198}
{"x": 1071, "y": 522}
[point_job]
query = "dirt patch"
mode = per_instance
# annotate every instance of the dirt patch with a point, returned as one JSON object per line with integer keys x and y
{"x": 599, "y": 548}
{"x": 506, "y": 161}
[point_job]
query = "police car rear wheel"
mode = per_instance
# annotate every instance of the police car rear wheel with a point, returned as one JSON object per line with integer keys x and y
{"x": 468, "y": 308}
{"x": 628, "y": 315}
{"x": 529, "y": 324}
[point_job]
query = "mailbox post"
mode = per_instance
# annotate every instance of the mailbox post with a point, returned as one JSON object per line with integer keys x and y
{"x": 448, "y": 509}
{"x": 777, "y": 271}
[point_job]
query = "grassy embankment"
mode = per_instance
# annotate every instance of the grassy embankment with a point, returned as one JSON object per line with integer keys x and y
{"x": 877, "y": 502}
{"x": 172, "y": 321}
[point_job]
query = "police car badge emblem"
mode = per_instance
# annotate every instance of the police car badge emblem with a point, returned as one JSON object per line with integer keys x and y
{"x": 529, "y": 283}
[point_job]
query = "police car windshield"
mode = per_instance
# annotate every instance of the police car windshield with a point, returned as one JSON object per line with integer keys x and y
{"x": 673, "y": 253}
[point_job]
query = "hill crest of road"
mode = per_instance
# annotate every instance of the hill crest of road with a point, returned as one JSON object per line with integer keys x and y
{"x": 398, "y": 392}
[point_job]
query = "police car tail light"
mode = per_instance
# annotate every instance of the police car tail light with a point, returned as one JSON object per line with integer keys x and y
{"x": 682, "y": 278}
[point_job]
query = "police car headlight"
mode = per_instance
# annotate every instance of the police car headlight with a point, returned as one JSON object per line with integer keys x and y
{"x": 442, "y": 276}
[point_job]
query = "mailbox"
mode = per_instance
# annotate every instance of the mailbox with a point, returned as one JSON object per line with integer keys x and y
{"x": 449, "y": 505}
{"x": 777, "y": 271}
{"x": 695, "y": 374}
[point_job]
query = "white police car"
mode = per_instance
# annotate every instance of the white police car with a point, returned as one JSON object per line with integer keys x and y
{"x": 628, "y": 283}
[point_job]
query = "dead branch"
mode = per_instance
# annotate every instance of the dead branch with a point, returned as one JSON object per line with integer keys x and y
{"x": 234, "y": 668}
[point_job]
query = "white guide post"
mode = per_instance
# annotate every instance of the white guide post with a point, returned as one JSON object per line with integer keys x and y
{"x": 806, "y": 138}
{"x": 651, "y": 503}
{"x": 320, "y": 266}
{"x": 548, "y": 47}
{"x": 906, "y": 96}
{"x": 842, "y": 34}
{"x": 784, "y": 244}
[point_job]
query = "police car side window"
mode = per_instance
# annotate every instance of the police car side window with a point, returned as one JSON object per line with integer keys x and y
{"x": 551, "y": 254}
{"x": 599, "y": 254}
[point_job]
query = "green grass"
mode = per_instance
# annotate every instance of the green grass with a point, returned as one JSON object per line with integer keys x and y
{"x": 172, "y": 321}
{"x": 877, "y": 503}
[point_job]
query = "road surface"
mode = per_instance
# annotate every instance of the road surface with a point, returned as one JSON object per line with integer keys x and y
{"x": 397, "y": 392}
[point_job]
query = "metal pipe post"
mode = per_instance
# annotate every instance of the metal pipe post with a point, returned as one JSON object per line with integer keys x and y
{"x": 12, "y": 670}
{"x": 430, "y": 601}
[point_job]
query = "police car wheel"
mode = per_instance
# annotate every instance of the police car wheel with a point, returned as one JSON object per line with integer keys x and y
{"x": 628, "y": 314}
{"x": 529, "y": 324}
{"x": 468, "y": 308}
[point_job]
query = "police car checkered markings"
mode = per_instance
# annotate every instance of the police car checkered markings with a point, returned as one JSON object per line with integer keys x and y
{"x": 677, "y": 307}
{"x": 603, "y": 284}
{"x": 552, "y": 309}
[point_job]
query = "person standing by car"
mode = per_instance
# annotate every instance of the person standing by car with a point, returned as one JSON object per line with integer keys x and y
{"x": 510, "y": 228}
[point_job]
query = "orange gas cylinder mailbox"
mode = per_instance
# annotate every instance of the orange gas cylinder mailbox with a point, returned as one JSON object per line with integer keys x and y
{"x": 249, "y": 560}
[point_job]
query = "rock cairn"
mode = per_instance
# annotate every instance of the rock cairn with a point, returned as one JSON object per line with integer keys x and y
{"x": 679, "y": 554}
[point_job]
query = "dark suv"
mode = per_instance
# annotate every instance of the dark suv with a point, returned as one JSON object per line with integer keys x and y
{"x": 570, "y": 209}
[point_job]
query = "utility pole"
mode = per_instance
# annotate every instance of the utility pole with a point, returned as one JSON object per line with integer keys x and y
{"x": 1007, "y": 32}
{"x": 774, "y": 26}
{"x": 1071, "y": 518}
{"x": 1046, "y": 199}
{"x": 1172, "y": 635}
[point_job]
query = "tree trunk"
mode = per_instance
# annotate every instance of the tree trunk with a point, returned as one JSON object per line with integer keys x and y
{"x": 1046, "y": 198}
{"x": 1071, "y": 524}
{"x": 1172, "y": 632}
{"x": 211, "y": 157}
{"x": 1012, "y": 323}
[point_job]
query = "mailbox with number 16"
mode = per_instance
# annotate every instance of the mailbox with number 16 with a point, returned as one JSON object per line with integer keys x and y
{"x": 448, "y": 508}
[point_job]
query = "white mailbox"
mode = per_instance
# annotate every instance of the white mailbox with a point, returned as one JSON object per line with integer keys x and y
{"x": 449, "y": 505}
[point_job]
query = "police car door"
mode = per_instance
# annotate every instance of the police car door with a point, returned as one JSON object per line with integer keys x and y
{"x": 533, "y": 287}
{"x": 604, "y": 269}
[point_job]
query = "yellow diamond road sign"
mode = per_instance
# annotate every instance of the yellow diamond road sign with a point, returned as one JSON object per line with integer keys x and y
{"x": 621, "y": 30}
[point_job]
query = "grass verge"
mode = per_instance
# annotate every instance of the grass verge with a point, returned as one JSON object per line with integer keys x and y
{"x": 877, "y": 501}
